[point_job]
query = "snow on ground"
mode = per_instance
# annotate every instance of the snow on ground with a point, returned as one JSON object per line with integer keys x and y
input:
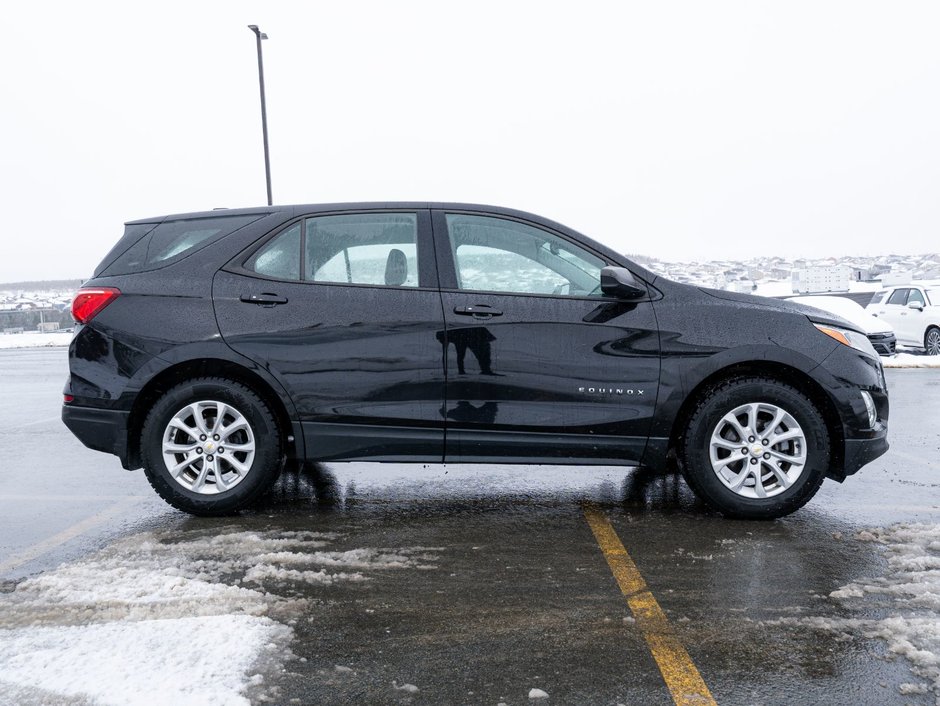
{"x": 198, "y": 621}
{"x": 911, "y": 360}
{"x": 34, "y": 339}
{"x": 910, "y": 593}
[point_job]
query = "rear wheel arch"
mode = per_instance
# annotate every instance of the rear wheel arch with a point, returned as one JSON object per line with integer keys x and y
{"x": 199, "y": 368}
{"x": 776, "y": 371}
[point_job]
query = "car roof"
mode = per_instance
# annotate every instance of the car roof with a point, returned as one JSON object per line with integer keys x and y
{"x": 298, "y": 209}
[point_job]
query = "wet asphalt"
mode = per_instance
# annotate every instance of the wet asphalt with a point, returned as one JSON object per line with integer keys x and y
{"x": 518, "y": 594}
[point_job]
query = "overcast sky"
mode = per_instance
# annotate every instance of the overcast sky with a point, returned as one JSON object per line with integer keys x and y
{"x": 681, "y": 130}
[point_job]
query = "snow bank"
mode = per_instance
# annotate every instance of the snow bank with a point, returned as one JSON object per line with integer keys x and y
{"x": 198, "y": 620}
{"x": 912, "y": 591}
{"x": 34, "y": 339}
{"x": 910, "y": 360}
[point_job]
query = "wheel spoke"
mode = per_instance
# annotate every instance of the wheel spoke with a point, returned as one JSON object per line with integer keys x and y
{"x": 797, "y": 460}
{"x": 221, "y": 411}
{"x": 196, "y": 409}
{"x": 752, "y": 410}
{"x": 786, "y": 436}
{"x": 782, "y": 477}
{"x": 177, "y": 423}
{"x": 201, "y": 476}
{"x": 759, "y": 489}
{"x": 725, "y": 444}
{"x": 182, "y": 465}
{"x": 242, "y": 468}
{"x": 171, "y": 448}
{"x": 736, "y": 425}
{"x": 236, "y": 448}
{"x": 772, "y": 426}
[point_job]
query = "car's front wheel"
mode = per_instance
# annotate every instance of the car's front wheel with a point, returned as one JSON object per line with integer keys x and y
{"x": 755, "y": 448}
{"x": 210, "y": 446}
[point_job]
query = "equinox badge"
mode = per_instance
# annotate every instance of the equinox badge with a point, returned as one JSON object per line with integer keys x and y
{"x": 611, "y": 390}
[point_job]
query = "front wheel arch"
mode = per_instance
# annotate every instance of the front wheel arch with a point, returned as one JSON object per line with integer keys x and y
{"x": 782, "y": 373}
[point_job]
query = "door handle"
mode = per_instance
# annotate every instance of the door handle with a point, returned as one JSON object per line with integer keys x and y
{"x": 478, "y": 310}
{"x": 263, "y": 299}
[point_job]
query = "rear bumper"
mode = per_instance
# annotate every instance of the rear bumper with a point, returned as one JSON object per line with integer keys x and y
{"x": 99, "y": 429}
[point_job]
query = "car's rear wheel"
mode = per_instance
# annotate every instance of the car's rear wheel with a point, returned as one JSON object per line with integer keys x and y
{"x": 210, "y": 446}
{"x": 755, "y": 448}
{"x": 932, "y": 341}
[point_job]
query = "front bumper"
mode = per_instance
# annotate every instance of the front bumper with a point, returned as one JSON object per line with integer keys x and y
{"x": 99, "y": 429}
{"x": 885, "y": 344}
{"x": 861, "y": 451}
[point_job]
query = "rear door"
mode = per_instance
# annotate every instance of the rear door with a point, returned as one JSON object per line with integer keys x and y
{"x": 540, "y": 366}
{"x": 344, "y": 310}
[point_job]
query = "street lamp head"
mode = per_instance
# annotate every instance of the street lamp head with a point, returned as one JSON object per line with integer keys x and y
{"x": 258, "y": 32}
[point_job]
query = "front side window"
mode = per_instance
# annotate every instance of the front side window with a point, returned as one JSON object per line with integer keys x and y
{"x": 898, "y": 297}
{"x": 917, "y": 297}
{"x": 499, "y": 255}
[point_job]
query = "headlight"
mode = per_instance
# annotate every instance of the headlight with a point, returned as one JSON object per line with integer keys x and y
{"x": 852, "y": 339}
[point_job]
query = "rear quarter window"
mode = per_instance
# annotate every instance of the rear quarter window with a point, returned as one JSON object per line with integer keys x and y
{"x": 171, "y": 241}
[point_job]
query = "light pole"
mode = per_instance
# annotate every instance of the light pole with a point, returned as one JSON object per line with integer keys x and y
{"x": 259, "y": 35}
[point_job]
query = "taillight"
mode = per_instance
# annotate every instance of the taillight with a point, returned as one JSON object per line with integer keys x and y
{"x": 68, "y": 398}
{"x": 88, "y": 302}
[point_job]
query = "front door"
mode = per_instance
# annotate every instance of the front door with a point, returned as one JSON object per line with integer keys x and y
{"x": 343, "y": 309}
{"x": 540, "y": 366}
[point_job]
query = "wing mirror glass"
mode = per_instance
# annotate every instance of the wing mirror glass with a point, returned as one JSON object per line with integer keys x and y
{"x": 915, "y": 305}
{"x": 620, "y": 282}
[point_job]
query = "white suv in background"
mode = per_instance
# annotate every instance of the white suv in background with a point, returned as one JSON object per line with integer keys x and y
{"x": 914, "y": 312}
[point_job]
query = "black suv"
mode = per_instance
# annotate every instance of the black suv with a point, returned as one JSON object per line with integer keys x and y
{"x": 215, "y": 348}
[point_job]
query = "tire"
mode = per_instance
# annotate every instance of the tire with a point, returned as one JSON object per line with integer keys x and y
{"x": 714, "y": 454}
{"x": 203, "y": 480}
{"x": 932, "y": 341}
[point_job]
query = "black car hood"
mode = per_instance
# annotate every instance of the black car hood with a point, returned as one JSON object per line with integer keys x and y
{"x": 770, "y": 304}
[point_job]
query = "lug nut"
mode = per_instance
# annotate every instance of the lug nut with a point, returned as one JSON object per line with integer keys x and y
{"x": 209, "y": 457}
{"x": 744, "y": 451}
{"x": 216, "y": 437}
{"x": 221, "y": 450}
{"x": 767, "y": 456}
{"x": 764, "y": 442}
{"x": 199, "y": 450}
{"x": 750, "y": 439}
{"x": 753, "y": 460}
{"x": 202, "y": 437}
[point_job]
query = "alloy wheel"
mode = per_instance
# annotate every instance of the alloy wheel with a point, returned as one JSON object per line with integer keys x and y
{"x": 208, "y": 447}
{"x": 758, "y": 450}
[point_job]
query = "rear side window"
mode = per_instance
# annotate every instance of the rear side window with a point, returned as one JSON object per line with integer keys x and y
{"x": 173, "y": 240}
{"x": 899, "y": 296}
{"x": 878, "y": 297}
{"x": 361, "y": 248}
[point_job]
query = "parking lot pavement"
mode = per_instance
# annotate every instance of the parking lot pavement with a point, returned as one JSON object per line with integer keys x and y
{"x": 369, "y": 583}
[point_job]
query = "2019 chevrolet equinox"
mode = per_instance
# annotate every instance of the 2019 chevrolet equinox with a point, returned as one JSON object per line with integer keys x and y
{"x": 214, "y": 348}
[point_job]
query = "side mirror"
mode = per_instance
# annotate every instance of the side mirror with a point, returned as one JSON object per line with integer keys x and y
{"x": 915, "y": 305}
{"x": 620, "y": 282}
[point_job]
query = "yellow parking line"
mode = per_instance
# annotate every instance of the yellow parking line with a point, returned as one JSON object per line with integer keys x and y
{"x": 66, "y": 535}
{"x": 682, "y": 678}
